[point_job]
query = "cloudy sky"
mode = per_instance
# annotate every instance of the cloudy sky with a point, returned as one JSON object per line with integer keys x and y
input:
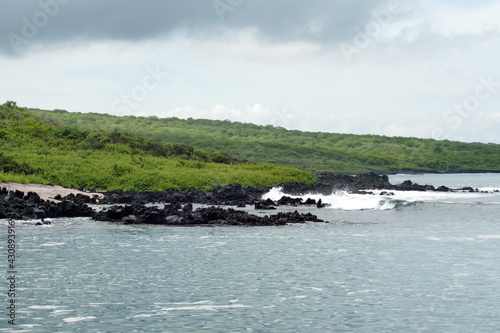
{"x": 399, "y": 68}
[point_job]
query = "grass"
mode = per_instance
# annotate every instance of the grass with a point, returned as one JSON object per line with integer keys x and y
{"x": 305, "y": 150}
{"x": 35, "y": 150}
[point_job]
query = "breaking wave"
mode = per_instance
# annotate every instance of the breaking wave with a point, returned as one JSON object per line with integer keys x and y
{"x": 386, "y": 200}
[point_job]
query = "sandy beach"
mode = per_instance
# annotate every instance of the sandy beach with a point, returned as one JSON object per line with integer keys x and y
{"x": 46, "y": 192}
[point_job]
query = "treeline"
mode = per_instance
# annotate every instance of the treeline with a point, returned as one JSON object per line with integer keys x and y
{"x": 40, "y": 150}
{"x": 306, "y": 150}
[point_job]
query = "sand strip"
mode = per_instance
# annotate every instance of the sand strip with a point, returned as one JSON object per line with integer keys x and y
{"x": 46, "y": 192}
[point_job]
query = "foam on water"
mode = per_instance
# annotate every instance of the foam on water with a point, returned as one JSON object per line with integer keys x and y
{"x": 343, "y": 200}
{"x": 52, "y": 244}
{"x": 488, "y": 236}
{"x": 44, "y": 307}
{"x": 195, "y": 306}
{"x": 478, "y": 238}
{"x": 77, "y": 319}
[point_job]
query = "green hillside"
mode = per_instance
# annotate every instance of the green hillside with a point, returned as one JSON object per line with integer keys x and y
{"x": 305, "y": 150}
{"x": 34, "y": 149}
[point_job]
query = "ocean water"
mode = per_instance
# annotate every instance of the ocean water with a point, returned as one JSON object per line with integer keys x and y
{"x": 411, "y": 262}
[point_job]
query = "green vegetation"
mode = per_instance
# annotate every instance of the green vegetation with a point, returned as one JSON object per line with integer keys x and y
{"x": 34, "y": 149}
{"x": 305, "y": 150}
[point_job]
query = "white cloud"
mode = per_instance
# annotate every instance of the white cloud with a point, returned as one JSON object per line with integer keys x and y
{"x": 427, "y": 59}
{"x": 452, "y": 21}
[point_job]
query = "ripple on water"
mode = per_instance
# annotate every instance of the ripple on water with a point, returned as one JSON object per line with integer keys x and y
{"x": 414, "y": 270}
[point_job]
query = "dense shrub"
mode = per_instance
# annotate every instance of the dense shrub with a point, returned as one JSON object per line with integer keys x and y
{"x": 306, "y": 150}
{"x": 34, "y": 149}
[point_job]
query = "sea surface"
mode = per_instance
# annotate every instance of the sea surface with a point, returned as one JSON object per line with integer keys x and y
{"x": 408, "y": 262}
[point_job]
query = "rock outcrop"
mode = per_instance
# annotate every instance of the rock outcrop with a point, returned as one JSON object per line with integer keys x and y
{"x": 177, "y": 216}
{"x": 18, "y": 205}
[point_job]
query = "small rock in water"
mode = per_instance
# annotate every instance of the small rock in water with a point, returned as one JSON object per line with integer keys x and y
{"x": 310, "y": 201}
{"x": 320, "y": 204}
{"x": 43, "y": 222}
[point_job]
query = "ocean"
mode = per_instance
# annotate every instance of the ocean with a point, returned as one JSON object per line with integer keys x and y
{"x": 407, "y": 262}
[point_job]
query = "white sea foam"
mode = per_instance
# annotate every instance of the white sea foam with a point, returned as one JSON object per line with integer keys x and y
{"x": 44, "y": 307}
{"x": 339, "y": 200}
{"x": 61, "y": 312}
{"x": 207, "y": 307}
{"x": 379, "y": 200}
{"x": 52, "y": 244}
{"x": 465, "y": 239}
{"x": 488, "y": 237}
{"x": 198, "y": 307}
{"x": 462, "y": 239}
{"x": 77, "y": 319}
{"x": 185, "y": 303}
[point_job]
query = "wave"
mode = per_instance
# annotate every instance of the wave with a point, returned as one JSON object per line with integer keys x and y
{"x": 343, "y": 200}
{"x": 385, "y": 200}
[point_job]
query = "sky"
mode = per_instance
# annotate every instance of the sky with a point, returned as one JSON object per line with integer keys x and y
{"x": 413, "y": 68}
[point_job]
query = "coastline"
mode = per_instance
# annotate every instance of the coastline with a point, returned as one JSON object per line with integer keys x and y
{"x": 37, "y": 201}
{"x": 46, "y": 192}
{"x": 351, "y": 181}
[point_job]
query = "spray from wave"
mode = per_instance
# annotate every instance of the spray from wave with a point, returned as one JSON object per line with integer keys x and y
{"x": 343, "y": 200}
{"x": 377, "y": 199}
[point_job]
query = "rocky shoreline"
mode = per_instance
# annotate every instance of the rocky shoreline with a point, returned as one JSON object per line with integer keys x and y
{"x": 132, "y": 207}
{"x": 25, "y": 206}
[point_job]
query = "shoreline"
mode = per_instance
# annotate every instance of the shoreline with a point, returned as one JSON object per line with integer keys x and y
{"x": 49, "y": 192}
{"x": 46, "y": 192}
{"x": 37, "y": 201}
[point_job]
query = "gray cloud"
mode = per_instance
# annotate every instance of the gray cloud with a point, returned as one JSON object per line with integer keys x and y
{"x": 58, "y": 21}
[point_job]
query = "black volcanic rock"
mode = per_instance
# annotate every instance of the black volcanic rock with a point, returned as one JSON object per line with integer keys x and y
{"x": 289, "y": 201}
{"x": 16, "y": 205}
{"x": 178, "y": 208}
{"x": 362, "y": 184}
{"x": 202, "y": 216}
{"x": 443, "y": 189}
{"x": 232, "y": 193}
{"x": 371, "y": 181}
{"x": 329, "y": 182}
